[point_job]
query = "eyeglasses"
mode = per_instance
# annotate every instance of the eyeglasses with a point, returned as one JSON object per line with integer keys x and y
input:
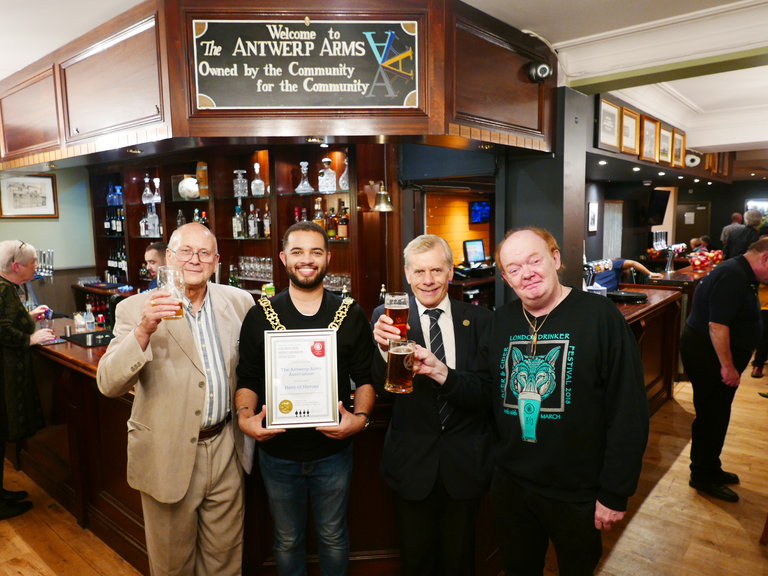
{"x": 186, "y": 254}
{"x": 17, "y": 253}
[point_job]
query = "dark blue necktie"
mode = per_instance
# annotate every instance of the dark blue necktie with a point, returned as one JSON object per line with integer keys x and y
{"x": 438, "y": 349}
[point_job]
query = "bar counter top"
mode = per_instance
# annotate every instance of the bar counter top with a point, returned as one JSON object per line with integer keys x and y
{"x": 79, "y": 358}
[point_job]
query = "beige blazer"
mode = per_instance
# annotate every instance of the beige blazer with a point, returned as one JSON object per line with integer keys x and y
{"x": 169, "y": 383}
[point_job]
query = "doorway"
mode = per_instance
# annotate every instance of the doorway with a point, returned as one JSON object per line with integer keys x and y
{"x": 692, "y": 219}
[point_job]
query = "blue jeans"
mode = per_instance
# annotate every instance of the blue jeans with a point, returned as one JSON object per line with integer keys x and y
{"x": 324, "y": 484}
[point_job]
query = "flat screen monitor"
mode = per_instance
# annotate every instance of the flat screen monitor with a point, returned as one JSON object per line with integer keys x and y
{"x": 474, "y": 251}
{"x": 479, "y": 212}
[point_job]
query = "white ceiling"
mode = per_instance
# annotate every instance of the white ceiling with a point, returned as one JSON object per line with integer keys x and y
{"x": 595, "y": 40}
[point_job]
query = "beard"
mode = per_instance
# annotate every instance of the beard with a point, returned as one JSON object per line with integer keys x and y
{"x": 307, "y": 283}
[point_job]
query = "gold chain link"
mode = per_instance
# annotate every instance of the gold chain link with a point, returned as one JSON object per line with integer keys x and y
{"x": 274, "y": 319}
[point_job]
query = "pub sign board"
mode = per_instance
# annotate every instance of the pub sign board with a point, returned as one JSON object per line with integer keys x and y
{"x": 261, "y": 64}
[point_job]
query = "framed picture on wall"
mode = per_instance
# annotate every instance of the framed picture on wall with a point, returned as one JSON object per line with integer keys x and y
{"x": 609, "y": 126}
{"x": 630, "y": 131}
{"x": 649, "y": 139}
{"x": 592, "y": 217}
{"x": 678, "y": 148}
{"x": 665, "y": 144}
{"x": 29, "y": 197}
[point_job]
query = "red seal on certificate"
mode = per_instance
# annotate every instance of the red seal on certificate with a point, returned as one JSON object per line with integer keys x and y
{"x": 318, "y": 349}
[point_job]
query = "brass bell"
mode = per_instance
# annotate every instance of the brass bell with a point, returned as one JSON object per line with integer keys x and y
{"x": 383, "y": 200}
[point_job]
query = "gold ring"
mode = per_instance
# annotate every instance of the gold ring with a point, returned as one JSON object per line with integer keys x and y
{"x": 152, "y": 303}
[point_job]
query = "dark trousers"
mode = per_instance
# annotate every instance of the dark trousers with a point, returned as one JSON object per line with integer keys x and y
{"x": 526, "y": 521}
{"x": 437, "y": 534}
{"x": 712, "y": 401}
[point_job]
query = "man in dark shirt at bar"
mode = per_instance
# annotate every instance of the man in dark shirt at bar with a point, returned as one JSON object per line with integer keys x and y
{"x": 307, "y": 468}
{"x": 719, "y": 337}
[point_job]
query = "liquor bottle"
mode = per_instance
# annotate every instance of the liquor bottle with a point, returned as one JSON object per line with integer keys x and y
{"x": 259, "y": 224}
{"x": 204, "y": 220}
{"x": 343, "y": 231}
{"x": 196, "y": 216}
{"x": 304, "y": 215}
{"x": 238, "y": 225}
{"x": 332, "y": 224}
{"x": 253, "y": 229}
{"x": 267, "y": 222}
{"x": 240, "y": 184}
{"x": 144, "y": 225}
{"x": 156, "y": 196}
{"x": 326, "y": 181}
{"x": 119, "y": 221}
{"x": 180, "y": 219}
{"x": 146, "y": 196}
{"x": 113, "y": 222}
{"x": 111, "y": 195}
{"x": 107, "y": 222}
{"x": 233, "y": 281}
{"x": 118, "y": 199}
{"x": 296, "y": 214}
{"x": 319, "y": 217}
{"x": 90, "y": 319}
{"x": 382, "y": 294}
{"x": 153, "y": 222}
{"x": 257, "y": 186}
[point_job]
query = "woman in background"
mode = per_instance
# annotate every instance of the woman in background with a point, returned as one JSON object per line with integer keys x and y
{"x": 21, "y": 414}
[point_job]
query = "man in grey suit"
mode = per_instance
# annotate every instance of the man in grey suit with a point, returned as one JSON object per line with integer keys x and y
{"x": 185, "y": 453}
{"x": 437, "y": 449}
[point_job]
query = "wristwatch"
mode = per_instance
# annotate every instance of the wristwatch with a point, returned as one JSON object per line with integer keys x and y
{"x": 368, "y": 419}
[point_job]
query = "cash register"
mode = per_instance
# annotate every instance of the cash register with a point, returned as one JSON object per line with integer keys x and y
{"x": 474, "y": 265}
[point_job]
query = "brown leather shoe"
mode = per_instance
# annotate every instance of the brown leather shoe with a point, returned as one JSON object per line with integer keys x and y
{"x": 757, "y": 372}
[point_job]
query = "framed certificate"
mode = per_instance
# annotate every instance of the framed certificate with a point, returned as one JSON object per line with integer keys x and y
{"x": 301, "y": 379}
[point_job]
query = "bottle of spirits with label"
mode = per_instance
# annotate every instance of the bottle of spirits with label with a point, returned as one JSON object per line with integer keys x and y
{"x": 319, "y": 216}
{"x": 343, "y": 231}
{"x": 267, "y": 222}
{"x": 107, "y": 222}
{"x": 204, "y": 219}
{"x": 119, "y": 221}
{"x": 180, "y": 219}
{"x": 90, "y": 319}
{"x": 144, "y": 225}
{"x": 304, "y": 215}
{"x": 253, "y": 229}
{"x": 257, "y": 186}
{"x": 153, "y": 226}
{"x": 259, "y": 224}
{"x": 238, "y": 226}
{"x": 332, "y": 224}
{"x": 296, "y": 214}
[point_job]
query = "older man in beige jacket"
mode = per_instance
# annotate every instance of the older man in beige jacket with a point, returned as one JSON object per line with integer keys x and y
{"x": 185, "y": 454}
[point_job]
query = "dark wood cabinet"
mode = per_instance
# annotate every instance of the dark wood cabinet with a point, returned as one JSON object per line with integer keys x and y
{"x": 114, "y": 84}
{"x": 29, "y": 116}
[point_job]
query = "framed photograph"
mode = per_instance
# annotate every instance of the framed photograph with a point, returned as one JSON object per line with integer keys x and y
{"x": 678, "y": 148}
{"x": 610, "y": 118}
{"x": 592, "y": 217}
{"x": 29, "y": 197}
{"x": 665, "y": 144}
{"x": 630, "y": 132}
{"x": 301, "y": 378}
{"x": 649, "y": 139}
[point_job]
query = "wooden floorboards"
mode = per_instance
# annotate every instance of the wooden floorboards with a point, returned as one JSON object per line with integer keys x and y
{"x": 670, "y": 530}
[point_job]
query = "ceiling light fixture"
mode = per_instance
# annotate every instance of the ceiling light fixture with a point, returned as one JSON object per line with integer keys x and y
{"x": 636, "y": 169}
{"x": 602, "y": 162}
{"x": 662, "y": 173}
{"x": 696, "y": 180}
{"x": 679, "y": 177}
{"x": 314, "y": 140}
{"x": 709, "y": 183}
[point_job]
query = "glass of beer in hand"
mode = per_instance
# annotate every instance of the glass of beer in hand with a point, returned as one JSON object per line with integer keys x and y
{"x": 170, "y": 279}
{"x": 396, "y": 307}
{"x": 400, "y": 366}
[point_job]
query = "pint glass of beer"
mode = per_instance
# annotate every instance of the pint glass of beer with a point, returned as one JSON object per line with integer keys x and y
{"x": 400, "y": 366}
{"x": 396, "y": 307}
{"x": 170, "y": 279}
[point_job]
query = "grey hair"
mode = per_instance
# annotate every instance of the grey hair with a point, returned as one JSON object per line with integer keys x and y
{"x": 425, "y": 243}
{"x": 753, "y": 217}
{"x": 15, "y": 251}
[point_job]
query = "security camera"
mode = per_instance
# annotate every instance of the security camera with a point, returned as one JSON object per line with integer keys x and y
{"x": 539, "y": 71}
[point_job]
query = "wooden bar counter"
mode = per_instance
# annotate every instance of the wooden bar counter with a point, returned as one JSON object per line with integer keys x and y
{"x": 80, "y": 457}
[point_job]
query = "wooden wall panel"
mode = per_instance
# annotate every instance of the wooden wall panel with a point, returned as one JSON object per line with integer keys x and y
{"x": 29, "y": 116}
{"x": 114, "y": 84}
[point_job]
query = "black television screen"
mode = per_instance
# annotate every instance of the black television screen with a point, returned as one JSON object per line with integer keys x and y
{"x": 479, "y": 212}
{"x": 474, "y": 251}
{"x": 657, "y": 206}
